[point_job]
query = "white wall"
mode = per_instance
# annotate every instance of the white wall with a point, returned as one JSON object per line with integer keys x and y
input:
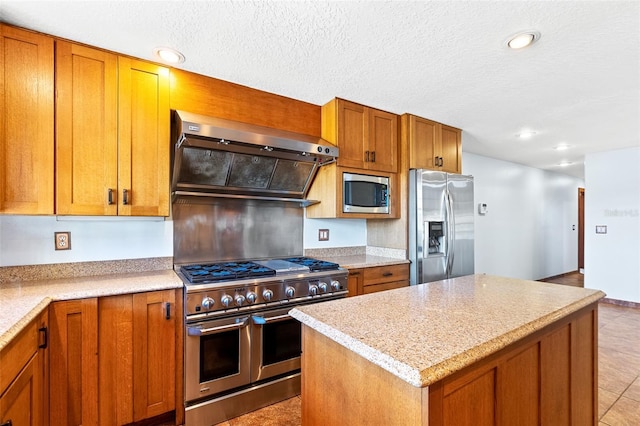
{"x": 528, "y": 230}
{"x": 342, "y": 233}
{"x": 612, "y": 199}
{"x": 29, "y": 240}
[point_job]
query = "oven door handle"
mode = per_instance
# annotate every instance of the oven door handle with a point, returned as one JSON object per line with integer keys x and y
{"x": 259, "y": 320}
{"x": 195, "y": 331}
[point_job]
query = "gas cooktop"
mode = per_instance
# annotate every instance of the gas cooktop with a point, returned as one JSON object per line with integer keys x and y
{"x": 229, "y": 271}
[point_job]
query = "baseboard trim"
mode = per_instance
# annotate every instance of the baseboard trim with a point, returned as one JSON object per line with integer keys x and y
{"x": 617, "y": 302}
{"x": 559, "y": 276}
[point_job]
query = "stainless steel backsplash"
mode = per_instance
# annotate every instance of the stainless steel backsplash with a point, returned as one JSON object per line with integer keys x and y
{"x": 233, "y": 229}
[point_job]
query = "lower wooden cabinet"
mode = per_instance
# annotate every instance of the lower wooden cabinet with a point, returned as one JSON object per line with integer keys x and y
{"x": 377, "y": 278}
{"x": 23, "y": 376}
{"x": 113, "y": 360}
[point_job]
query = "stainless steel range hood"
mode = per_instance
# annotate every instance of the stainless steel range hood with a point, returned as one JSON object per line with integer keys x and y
{"x": 215, "y": 157}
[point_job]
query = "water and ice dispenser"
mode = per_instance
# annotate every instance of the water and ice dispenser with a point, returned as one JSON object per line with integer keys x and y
{"x": 436, "y": 237}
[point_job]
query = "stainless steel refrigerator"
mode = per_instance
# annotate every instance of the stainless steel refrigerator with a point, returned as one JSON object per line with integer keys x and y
{"x": 441, "y": 215}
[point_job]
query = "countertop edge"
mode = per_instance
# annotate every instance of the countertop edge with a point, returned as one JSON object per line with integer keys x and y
{"x": 436, "y": 372}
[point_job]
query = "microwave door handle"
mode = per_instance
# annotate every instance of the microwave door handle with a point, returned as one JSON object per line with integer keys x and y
{"x": 195, "y": 331}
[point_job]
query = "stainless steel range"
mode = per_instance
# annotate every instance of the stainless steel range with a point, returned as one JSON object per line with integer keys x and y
{"x": 238, "y": 198}
{"x": 242, "y": 348}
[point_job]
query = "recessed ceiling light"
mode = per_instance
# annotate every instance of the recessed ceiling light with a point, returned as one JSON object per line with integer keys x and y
{"x": 565, "y": 163}
{"x": 522, "y": 39}
{"x": 169, "y": 55}
{"x": 562, "y": 147}
{"x": 526, "y": 134}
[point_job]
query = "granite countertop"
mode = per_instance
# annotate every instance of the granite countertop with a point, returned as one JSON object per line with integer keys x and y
{"x": 21, "y": 302}
{"x": 357, "y": 261}
{"x": 426, "y": 332}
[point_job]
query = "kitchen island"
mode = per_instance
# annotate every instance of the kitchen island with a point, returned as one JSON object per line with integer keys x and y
{"x": 471, "y": 350}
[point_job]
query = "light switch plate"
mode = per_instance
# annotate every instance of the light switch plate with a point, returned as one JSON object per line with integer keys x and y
{"x": 601, "y": 229}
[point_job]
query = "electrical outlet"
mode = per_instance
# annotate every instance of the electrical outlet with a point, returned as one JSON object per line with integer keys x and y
{"x": 63, "y": 240}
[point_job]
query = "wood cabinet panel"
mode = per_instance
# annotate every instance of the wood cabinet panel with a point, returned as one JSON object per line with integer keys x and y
{"x": 113, "y": 125}
{"x": 520, "y": 404}
{"x": 555, "y": 380}
{"x": 26, "y": 122}
{"x": 24, "y": 375}
{"x": 584, "y": 369}
{"x": 73, "y": 361}
{"x": 353, "y": 134}
{"x": 431, "y": 145}
{"x": 22, "y": 403}
{"x": 217, "y": 98}
{"x": 472, "y": 404}
{"x": 383, "y": 141}
{"x": 354, "y": 282}
{"x": 86, "y": 130}
{"x": 387, "y": 273}
{"x": 143, "y": 138}
{"x": 384, "y": 286}
{"x": 154, "y": 347}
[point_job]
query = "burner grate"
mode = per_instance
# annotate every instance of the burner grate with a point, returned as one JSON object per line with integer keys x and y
{"x": 225, "y": 271}
{"x": 314, "y": 264}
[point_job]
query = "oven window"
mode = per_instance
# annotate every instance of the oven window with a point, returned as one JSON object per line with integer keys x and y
{"x": 280, "y": 341}
{"x": 219, "y": 355}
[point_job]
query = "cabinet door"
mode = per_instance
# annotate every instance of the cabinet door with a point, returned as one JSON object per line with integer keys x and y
{"x": 26, "y": 122}
{"x": 451, "y": 149}
{"x": 354, "y": 282}
{"x": 22, "y": 403}
{"x": 73, "y": 362}
{"x": 423, "y": 135}
{"x": 353, "y": 134}
{"x": 383, "y": 141}
{"x": 143, "y": 138}
{"x": 86, "y": 130}
{"x": 154, "y": 339}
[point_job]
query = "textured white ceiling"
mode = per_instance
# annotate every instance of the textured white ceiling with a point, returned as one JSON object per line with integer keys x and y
{"x": 580, "y": 84}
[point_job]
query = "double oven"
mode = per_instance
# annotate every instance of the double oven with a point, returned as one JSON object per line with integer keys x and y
{"x": 242, "y": 349}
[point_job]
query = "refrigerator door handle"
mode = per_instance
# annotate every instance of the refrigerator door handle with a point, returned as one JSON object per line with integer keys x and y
{"x": 451, "y": 230}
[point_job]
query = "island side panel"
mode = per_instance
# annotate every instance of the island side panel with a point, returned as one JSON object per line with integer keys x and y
{"x": 341, "y": 387}
{"x": 549, "y": 377}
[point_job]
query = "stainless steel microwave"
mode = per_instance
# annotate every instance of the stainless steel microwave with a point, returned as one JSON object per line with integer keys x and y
{"x": 365, "y": 193}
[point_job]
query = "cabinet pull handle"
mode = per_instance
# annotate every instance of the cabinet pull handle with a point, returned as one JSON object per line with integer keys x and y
{"x": 366, "y": 156}
{"x": 109, "y": 196}
{"x": 125, "y": 197}
{"x": 441, "y": 161}
{"x": 168, "y": 311}
{"x": 7, "y": 423}
{"x": 373, "y": 156}
{"x": 387, "y": 274}
{"x": 45, "y": 337}
{"x": 354, "y": 273}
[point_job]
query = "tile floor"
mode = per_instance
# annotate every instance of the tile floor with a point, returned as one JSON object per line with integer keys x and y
{"x": 618, "y": 375}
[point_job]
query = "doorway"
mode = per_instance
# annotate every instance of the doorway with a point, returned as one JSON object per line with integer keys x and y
{"x": 581, "y": 229}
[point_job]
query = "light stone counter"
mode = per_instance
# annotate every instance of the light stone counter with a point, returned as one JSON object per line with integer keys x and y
{"x": 424, "y": 333}
{"x": 21, "y": 302}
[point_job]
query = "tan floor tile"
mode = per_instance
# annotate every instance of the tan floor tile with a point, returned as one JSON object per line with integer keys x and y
{"x": 613, "y": 379}
{"x": 619, "y": 360}
{"x": 625, "y": 412}
{"x": 285, "y": 413}
{"x": 633, "y": 391}
{"x": 605, "y": 401}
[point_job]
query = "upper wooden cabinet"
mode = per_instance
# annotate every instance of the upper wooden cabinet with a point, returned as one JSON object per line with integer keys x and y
{"x": 367, "y": 137}
{"x": 112, "y": 140}
{"x": 431, "y": 145}
{"x": 26, "y": 122}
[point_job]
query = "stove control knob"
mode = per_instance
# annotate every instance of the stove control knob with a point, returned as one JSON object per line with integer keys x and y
{"x": 208, "y": 303}
{"x": 313, "y": 289}
{"x": 323, "y": 287}
{"x": 226, "y": 300}
{"x": 289, "y": 292}
{"x": 267, "y": 295}
{"x": 335, "y": 285}
{"x": 240, "y": 299}
{"x": 251, "y": 297}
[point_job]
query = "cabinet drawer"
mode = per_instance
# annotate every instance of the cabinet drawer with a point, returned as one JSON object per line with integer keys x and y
{"x": 385, "y": 274}
{"x": 385, "y": 286}
{"x": 16, "y": 355}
